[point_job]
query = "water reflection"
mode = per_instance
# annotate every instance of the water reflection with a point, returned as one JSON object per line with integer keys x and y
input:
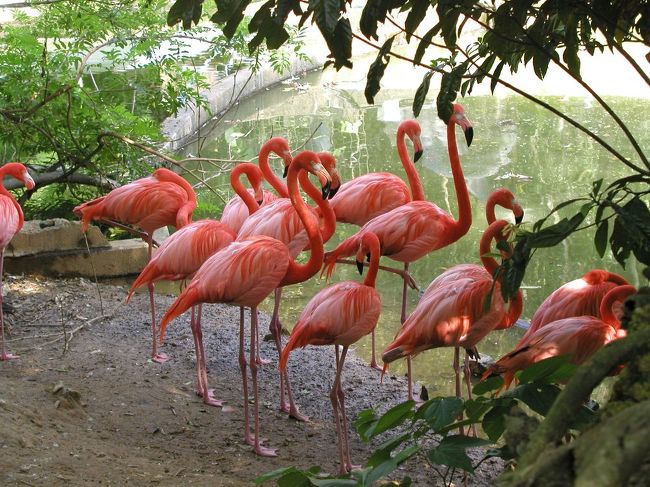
{"x": 517, "y": 145}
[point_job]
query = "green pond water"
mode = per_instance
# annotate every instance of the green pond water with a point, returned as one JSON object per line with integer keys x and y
{"x": 517, "y": 145}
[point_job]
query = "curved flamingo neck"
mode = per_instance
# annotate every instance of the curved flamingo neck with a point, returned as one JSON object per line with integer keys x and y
{"x": 252, "y": 172}
{"x": 375, "y": 253}
{"x": 464, "y": 221}
{"x": 184, "y": 214}
{"x": 268, "y": 173}
{"x": 496, "y": 198}
{"x": 598, "y": 276}
{"x": 619, "y": 293}
{"x": 301, "y": 272}
{"x": 485, "y": 247}
{"x": 417, "y": 190}
{"x": 328, "y": 225}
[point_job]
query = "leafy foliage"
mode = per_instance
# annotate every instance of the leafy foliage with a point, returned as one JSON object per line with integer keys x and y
{"x": 429, "y": 432}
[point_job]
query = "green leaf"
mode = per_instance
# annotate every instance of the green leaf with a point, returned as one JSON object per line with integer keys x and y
{"x": 554, "y": 234}
{"x": 488, "y": 385}
{"x": 393, "y": 417}
{"x": 449, "y": 86}
{"x": 294, "y": 479}
{"x": 415, "y": 16}
{"x": 275, "y": 473}
{"x": 332, "y": 482}
{"x": 376, "y": 71}
{"x": 451, "y": 451}
{"x": 421, "y": 93}
{"x": 185, "y": 11}
{"x": 383, "y": 451}
{"x": 494, "y": 421}
{"x": 543, "y": 369}
{"x": 440, "y": 411}
{"x": 424, "y": 44}
{"x": 600, "y": 238}
{"x": 326, "y": 14}
{"x": 366, "y": 420}
{"x": 631, "y": 232}
{"x": 389, "y": 465}
{"x": 496, "y": 75}
{"x": 538, "y": 397}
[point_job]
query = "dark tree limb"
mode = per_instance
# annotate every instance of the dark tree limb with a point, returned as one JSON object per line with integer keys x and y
{"x": 43, "y": 179}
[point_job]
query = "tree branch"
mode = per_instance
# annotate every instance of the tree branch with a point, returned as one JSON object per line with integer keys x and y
{"x": 43, "y": 179}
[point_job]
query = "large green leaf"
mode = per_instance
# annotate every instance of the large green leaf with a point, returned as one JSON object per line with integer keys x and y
{"x": 488, "y": 385}
{"x": 186, "y": 12}
{"x": 415, "y": 16}
{"x": 452, "y": 451}
{"x": 421, "y": 93}
{"x": 376, "y": 71}
{"x": 440, "y": 411}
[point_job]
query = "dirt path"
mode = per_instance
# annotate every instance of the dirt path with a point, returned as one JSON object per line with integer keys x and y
{"x": 102, "y": 414}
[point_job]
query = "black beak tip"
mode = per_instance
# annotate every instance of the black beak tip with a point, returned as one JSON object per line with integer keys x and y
{"x": 469, "y": 135}
{"x": 259, "y": 202}
{"x": 360, "y": 267}
{"x": 333, "y": 191}
{"x": 519, "y": 219}
{"x": 417, "y": 155}
{"x": 286, "y": 171}
{"x": 326, "y": 189}
{"x": 368, "y": 256}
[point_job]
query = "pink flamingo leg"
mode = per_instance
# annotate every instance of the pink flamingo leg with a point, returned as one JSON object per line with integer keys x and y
{"x": 248, "y": 438}
{"x": 4, "y": 354}
{"x": 468, "y": 381}
{"x": 458, "y": 386}
{"x": 155, "y": 356}
{"x": 276, "y": 331}
{"x": 373, "y": 359}
{"x": 258, "y": 356}
{"x": 257, "y": 448}
{"x": 411, "y": 396}
{"x": 344, "y": 440}
{"x": 335, "y": 408}
{"x": 203, "y": 390}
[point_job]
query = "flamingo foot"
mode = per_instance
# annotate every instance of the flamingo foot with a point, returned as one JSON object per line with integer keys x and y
{"x": 250, "y": 439}
{"x": 210, "y": 400}
{"x": 262, "y": 361}
{"x": 410, "y": 282}
{"x": 374, "y": 365}
{"x": 8, "y": 356}
{"x": 160, "y": 358}
{"x": 348, "y": 468}
{"x": 265, "y": 452}
{"x": 297, "y": 415}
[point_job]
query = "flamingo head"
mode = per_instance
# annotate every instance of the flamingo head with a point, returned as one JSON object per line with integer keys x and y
{"x": 504, "y": 197}
{"x": 412, "y": 129}
{"x": 329, "y": 162}
{"x": 368, "y": 247}
{"x": 18, "y": 171}
{"x": 458, "y": 117}
{"x": 256, "y": 180}
{"x": 310, "y": 162}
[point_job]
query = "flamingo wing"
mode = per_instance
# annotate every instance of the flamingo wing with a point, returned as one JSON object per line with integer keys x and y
{"x": 365, "y": 197}
{"x": 10, "y": 218}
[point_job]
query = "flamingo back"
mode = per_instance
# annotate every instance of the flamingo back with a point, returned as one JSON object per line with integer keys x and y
{"x": 579, "y": 337}
{"x": 184, "y": 252}
{"x": 235, "y": 212}
{"x": 340, "y": 314}
{"x": 360, "y": 200}
{"x": 278, "y": 220}
{"x": 450, "y": 313}
{"x": 147, "y": 203}
{"x": 10, "y": 216}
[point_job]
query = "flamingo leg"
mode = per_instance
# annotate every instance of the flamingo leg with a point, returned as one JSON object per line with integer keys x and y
{"x": 248, "y": 438}
{"x": 458, "y": 387}
{"x": 400, "y": 272}
{"x": 257, "y": 448}
{"x": 203, "y": 390}
{"x": 4, "y": 355}
{"x": 334, "y": 398}
{"x": 276, "y": 331}
{"x": 155, "y": 356}
{"x": 468, "y": 381}
{"x": 144, "y": 236}
{"x": 402, "y": 319}
{"x": 258, "y": 356}
{"x": 341, "y": 397}
{"x": 373, "y": 358}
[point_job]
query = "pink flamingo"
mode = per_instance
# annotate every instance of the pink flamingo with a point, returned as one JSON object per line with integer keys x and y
{"x": 576, "y": 298}
{"x": 12, "y": 221}
{"x": 245, "y": 272}
{"x": 340, "y": 315}
{"x": 373, "y": 194}
{"x": 162, "y": 199}
{"x": 578, "y": 336}
{"x": 281, "y": 221}
{"x": 235, "y": 212}
{"x": 409, "y": 232}
{"x": 181, "y": 255}
{"x": 452, "y": 311}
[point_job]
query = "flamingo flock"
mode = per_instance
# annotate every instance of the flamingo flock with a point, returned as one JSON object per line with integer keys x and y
{"x": 252, "y": 253}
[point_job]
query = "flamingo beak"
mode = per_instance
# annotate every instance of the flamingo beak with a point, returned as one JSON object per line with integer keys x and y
{"x": 336, "y": 183}
{"x": 469, "y": 135}
{"x": 29, "y": 182}
{"x": 286, "y": 171}
{"x": 417, "y": 155}
{"x": 417, "y": 147}
{"x": 360, "y": 267}
{"x": 326, "y": 189}
{"x": 518, "y": 212}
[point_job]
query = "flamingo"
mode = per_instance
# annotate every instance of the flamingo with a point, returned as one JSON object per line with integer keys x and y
{"x": 162, "y": 199}
{"x": 235, "y": 212}
{"x": 370, "y": 195}
{"x": 578, "y": 336}
{"x": 340, "y": 315}
{"x": 452, "y": 311}
{"x": 409, "y": 232}
{"x": 245, "y": 272}
{"x": 12, "y": 221}
{"x": 576, "y": 298}
{"x": 181, "y": 255}
{"x": 281, "y": 221}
